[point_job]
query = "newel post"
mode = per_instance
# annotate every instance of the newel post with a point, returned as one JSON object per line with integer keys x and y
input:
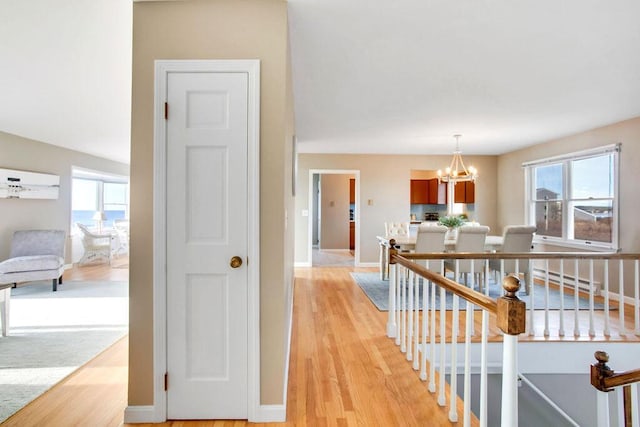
{"x": 391, "y": 314}
{"x": 511, "y": 320}
{"x": 599, "y": 373}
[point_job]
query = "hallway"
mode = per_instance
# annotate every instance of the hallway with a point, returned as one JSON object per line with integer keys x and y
{"x": 332, "y": 258}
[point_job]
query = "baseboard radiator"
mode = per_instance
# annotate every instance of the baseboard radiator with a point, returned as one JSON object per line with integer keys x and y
{"x": 569, "y": 279}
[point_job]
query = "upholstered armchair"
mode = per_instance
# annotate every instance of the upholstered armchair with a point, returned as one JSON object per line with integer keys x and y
{"x": 35, "y": 255}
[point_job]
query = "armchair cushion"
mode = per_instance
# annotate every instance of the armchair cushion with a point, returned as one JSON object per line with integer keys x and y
{"x": 31, "y": 263}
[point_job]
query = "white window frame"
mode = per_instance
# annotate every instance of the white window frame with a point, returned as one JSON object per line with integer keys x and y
{"x": 567, "y": 198}
{"x": 100, "y": 178}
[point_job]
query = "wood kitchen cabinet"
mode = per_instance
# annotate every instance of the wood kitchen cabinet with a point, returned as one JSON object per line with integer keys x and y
{"x": 465, "y": 192}
{"x": 352, "y": 235}
{"x": 352, "y": 191}
{"x": 437, "y": 194}
{"x": 419, "y": 191}
{"x": 428, "y": 192}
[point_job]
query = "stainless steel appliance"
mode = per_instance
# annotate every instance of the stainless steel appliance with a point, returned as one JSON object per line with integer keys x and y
{"x": 431, "y": 216}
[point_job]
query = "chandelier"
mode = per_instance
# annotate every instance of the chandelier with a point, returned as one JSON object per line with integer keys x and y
{"x": 457, "y": 172}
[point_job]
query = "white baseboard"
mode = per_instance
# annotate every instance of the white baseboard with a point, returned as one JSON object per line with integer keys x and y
{"x": 148, "y": 414}
{"x": 368, "y": 264}
{"x": 287, "y": 354}
{"x": 142, "y": 414}
{"x": 302, "y": 264}
{"x": 614, "y": 296}
{"x": 270, "y": 414}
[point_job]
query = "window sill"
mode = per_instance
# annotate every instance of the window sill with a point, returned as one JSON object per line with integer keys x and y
{"x": 594, "y": 246}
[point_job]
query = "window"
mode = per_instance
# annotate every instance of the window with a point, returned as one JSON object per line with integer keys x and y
{"x": 92, "y": 192}
{"x": 572, "y": 199}
{"x": 115, "y": 198}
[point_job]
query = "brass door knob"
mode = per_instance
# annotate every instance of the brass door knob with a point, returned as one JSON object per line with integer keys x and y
{"x": 235, "y": 262}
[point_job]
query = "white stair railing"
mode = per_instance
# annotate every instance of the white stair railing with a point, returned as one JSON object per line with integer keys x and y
{"x": 594, "y": 296}
{"x": 415, "y": 289}
{"x": 415, "y": 315}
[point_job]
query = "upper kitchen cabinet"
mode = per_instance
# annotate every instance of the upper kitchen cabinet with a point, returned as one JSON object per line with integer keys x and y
{"x": 352, "y": 191}
{"x": 464, "y": 192}
{"x": 428, "y": 192}
{"x": 437, "y": 192}
{"x": 419, "y": 191}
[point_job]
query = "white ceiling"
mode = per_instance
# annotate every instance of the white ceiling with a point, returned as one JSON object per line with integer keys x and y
{"x": 405, "y": 75}
{"x": 370, "y": 76}
{"x": 65, "y": 73}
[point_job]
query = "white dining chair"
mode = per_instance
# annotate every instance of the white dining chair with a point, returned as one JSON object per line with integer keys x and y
{"x": 516, "y": 238}
{"x": 392, "y": 229}
{"x": 470, "y": 238}
{"x": 430, "y": 238}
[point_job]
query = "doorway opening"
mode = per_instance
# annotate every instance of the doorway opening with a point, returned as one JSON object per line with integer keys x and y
{"x": 99, "y": 210}
{"x": 334, "y": 219}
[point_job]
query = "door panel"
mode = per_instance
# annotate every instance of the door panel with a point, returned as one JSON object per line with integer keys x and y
{"x": 206, "y": 226}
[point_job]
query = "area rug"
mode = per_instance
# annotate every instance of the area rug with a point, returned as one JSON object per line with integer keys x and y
{"x": 53, "y": 333}
{"x": 378, "y": 292}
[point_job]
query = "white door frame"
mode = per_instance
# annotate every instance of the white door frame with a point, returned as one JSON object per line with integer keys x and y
{"x": 162, "y": 69}
{"x": 356, "y": 217}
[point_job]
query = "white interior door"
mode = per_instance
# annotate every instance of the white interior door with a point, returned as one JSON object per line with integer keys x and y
{"x": 206, "y": 227}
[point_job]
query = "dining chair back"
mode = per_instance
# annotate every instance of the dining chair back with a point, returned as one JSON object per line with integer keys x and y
{"x": 430, "y": 238}
{"x": 396, "y": 229}
{"x": 470, "y": 238}
{"x": 516, "y": 238}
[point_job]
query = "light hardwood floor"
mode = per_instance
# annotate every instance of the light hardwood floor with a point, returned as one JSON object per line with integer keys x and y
{"x": 339, "y": 373}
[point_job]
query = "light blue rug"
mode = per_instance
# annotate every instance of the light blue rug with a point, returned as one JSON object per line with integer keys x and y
{"x": 53, "y": 333}
{"x": 378, "y": 292}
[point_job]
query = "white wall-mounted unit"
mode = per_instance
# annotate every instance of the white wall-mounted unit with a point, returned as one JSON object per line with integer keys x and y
{"x": 28, "y": 185}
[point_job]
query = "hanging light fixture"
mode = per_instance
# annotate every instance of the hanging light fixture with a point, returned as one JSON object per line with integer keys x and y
{"x": 457, "y": 172}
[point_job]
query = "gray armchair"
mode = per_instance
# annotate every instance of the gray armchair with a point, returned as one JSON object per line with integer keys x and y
{"x": 35, "y": 255}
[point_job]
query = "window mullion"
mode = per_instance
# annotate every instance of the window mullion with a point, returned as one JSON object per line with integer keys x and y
{"x": 100, "y": 195}
{"x": 567, "y": 204}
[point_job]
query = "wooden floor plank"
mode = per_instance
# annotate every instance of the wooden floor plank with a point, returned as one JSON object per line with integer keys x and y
{"x": 343, "y": 370}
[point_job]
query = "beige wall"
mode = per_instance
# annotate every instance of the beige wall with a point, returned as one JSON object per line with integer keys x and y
{"x": 34, "y": 156}
{"x": 334, "y": 211}
{"x": 215, "y": 29}
{"x": 385, "y": 182}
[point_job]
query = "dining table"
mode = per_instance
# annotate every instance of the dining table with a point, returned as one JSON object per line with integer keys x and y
{"x": 408, "y": 243}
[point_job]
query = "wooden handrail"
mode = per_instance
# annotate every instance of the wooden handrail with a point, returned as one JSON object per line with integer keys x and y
{"x": 517, "y": 255}
{"x": 524, "y": 255}
{"x": 510, "y": 310}
{"x": 604, "y": 379}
